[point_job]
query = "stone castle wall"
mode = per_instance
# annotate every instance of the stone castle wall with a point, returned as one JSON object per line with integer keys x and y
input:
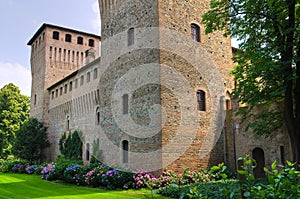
{"x": 145, "y": 90}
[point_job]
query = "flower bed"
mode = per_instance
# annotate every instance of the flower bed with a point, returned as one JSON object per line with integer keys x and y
{"x": 100, "y": 175}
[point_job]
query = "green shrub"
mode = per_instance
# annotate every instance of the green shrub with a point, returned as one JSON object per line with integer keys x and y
{"x": 280, "y": 182}
{"x": 62, "y": 163}
{"x": 13, "y": 165}
{"x": 201, "y": 190}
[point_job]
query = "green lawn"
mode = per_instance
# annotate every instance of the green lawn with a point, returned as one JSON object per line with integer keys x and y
{"x": 32, "y": 186}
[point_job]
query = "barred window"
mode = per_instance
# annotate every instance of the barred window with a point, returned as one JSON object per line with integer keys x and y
{"x": 201, "y": 100}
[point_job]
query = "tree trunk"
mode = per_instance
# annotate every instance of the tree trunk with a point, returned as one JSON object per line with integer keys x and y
{"x": 297, "y": 102}
{"x": 287, "y": 63}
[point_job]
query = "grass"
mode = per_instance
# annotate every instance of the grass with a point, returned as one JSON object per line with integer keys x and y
{"x": 32, "y": 186}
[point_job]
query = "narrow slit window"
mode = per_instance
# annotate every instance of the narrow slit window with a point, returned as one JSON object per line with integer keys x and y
{"x": 68, "y": 124}
{"x": 125, "y": 103}
{"x": 71, "y": 86}
{"x": 87, "y": 158}
{"x": 130, "y": 36}
{"x": 98, "y": 116}
{"x": 66, "y": 88}
{"x": 125, "y": 149}
{"x": 34, "y": 99}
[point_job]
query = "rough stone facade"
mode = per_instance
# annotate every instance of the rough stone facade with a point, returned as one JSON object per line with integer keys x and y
{"x": 143, "y": 99}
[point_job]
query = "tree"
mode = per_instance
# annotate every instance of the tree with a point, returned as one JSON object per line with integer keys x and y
{"x": 71, "y": 146}
{"x": 31, "y": 139}
{"x": 14, "y": 110}
{"x": 268, "y": 62}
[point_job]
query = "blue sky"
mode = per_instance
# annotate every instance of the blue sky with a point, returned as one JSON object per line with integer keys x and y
{"x": 19, "y": 19}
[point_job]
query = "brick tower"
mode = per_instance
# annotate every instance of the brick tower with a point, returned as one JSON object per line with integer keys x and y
{"x": 169, "y": 81}
{"x": 56, "y": 52}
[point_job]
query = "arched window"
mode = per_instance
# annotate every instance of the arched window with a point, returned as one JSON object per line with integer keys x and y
{"x": 66, "y": 88}
{"x": 68, "y": 38}
{"x": 79, "y": 40}
{"x": 55, "y": 35}
{"x": 125, "y": 149}
{"x": 87, "y": 152}
{"x": 125, "y": 103}
{"x": 71, "y": 86}
{"x": 195, "y": 32}
{"x": 95, "y": 73}
{"x": 259, "y": 156}
{"x": 130, "y": 36}
{"x": 81, "y": 80}
{"x": 91, "y": 42}
{"x": 98, "y": 116}
{"x": 88, "y": 77}
{"x": 201, "y": 100}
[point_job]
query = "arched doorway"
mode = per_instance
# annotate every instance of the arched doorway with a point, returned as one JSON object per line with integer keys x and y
{"x": 259, "y": 156}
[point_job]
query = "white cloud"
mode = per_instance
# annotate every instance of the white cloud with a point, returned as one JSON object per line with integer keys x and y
{"x": 96, "y": 23}
{"x": 17, "y": 74}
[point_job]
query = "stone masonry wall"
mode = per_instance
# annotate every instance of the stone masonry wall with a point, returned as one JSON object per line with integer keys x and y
{"x": 205, "y": 66}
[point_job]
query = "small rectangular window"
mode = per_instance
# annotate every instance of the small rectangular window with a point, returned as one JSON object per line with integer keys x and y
{"x": 79, "y": 40}
{"x": 55, "y": 35}
{"x": 91, "y": 42}
{"x": 56, "y": 93}
{"x": 60, "y": 90}
{"x": 52, "y": 95}
{"x": 68, "y": 38}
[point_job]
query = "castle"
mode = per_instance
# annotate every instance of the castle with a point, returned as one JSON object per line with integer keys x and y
{"x": 153, "y": 91}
